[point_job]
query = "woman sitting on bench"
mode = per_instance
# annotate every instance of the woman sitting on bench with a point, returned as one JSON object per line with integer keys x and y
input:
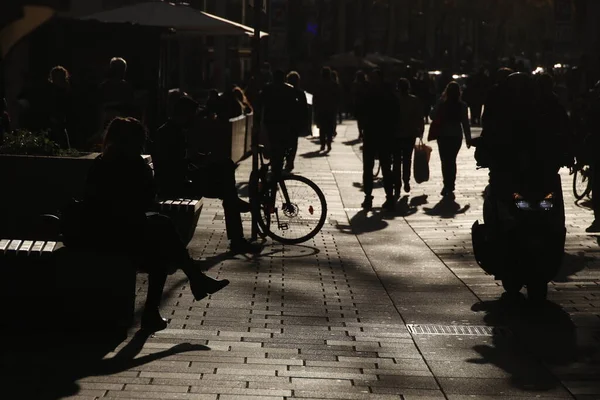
{"x": 119, "y": 192}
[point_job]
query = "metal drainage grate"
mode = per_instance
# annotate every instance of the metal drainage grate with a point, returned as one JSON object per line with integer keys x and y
{"x": 458, "y": 330}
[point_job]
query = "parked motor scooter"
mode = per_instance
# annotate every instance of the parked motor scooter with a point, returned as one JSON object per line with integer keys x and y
{"x": 522, "y": 239}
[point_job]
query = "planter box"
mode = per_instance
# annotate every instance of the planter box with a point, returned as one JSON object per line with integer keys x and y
{"x": 34, "y": 185}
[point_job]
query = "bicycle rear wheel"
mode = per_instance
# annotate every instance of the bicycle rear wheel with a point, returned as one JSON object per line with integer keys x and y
{"x": 376, "y": 169}
{"x": 581, "y": 182}
{"x": 299, "y": 211}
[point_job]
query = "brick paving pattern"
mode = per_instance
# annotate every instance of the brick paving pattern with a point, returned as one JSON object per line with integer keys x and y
{"x": 327, "y": 319}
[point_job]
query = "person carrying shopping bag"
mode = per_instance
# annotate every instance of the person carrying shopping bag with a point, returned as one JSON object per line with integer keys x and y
{"x": 450, "y": 121}
{"x": 410, "y": 127}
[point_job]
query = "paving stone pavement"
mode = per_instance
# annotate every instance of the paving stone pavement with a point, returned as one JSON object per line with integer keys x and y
{"x": 328, "y": 319}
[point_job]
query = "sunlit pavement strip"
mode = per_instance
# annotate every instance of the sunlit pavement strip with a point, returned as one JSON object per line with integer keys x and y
{"x": 338, "y": 316}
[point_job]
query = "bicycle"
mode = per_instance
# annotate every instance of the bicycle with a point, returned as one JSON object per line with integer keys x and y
{"x": 291, "y": 210}
{"x": 582, "y": 180}
{"x": 376, "y": 168}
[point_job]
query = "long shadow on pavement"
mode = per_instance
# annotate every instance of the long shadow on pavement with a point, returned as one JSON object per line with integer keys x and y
{"x": 541, "y": 336}
{"x": 314, "y": 154}
{"x": 47, "y": 364}
{"x": 572, "y": 264}
{"x": 446, "y": 208}
{"x": 364, "y": 222}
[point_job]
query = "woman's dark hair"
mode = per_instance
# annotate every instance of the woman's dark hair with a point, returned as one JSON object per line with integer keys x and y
{"x": 124, "y": 136}
{"x": 59, "y": 73}
{"x": 451, "y": 102}
{"x": 240, "y": 96}
{"x": 117, "y": 68}
{"x": 293, "y": 78}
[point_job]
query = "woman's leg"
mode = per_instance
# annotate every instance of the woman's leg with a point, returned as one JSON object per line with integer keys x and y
{"x": 397, "y": 167}
{"x": 443, "y": 150}
{"x": 449, "y": 148}
{"x": 166, "y": 253}
{"x": 407, "y": 149}
{"x": 151, "y": 318}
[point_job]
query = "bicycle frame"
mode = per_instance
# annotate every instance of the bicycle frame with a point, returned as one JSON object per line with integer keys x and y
{"x": 262, "y": 177}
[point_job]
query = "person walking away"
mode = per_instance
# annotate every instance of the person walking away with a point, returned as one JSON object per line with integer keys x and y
{"x": 410, "y": 127}
{"x": 453, "y": 116}
{"x": 380, "y": 120}
{"x": 300, "y": 125}
{"x": 360, "y": 88}
{"x": 150, "y": 239}
{"x": 325, "y": 104}
{"x": 57, "y": 105}
{"x": 476, "y": 88}
{"x": 180, "y": 174}
{"x": 279, "y": 112}
{"x": 116, "y": 94}
{"x": 422, "y": 89}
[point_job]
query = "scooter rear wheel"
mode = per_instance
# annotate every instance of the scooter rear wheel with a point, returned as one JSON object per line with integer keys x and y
{"x": 537, "y": 291}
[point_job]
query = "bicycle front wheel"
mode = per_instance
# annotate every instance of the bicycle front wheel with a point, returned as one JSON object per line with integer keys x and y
{"x": 298, "y": 212}
{"x": 581, "y": 182}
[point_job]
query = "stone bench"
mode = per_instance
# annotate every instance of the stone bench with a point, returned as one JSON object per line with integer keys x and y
{"x": 184, "y": 213}
{"x": 77, "y": 287}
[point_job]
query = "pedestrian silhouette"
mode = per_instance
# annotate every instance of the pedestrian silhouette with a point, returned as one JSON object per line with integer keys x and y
{"x": 119, "y": 192}
{"x": 452, "y": 115}
{"x": 181, "y": 173}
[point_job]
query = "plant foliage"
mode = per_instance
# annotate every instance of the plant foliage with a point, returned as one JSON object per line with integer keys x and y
{"x": 24, "y": 142}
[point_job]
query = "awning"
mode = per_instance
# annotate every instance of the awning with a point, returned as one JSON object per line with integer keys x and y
{"x": 176, "y": 16}
{"x": 381, "y": 59}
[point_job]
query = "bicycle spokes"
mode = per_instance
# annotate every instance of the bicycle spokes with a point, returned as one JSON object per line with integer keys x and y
{"x": 294, "y": 211}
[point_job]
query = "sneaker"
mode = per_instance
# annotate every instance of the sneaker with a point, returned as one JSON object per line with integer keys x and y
{"x": 407, "y": 187}
{"x": 593, "y": 228}
{"x": 243, "y": 246}
{"x": 368, "y": 203}
{"x": 389, "y": 205}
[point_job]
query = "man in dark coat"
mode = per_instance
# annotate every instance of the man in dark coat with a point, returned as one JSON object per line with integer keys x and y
{"x": 381, "y": 107}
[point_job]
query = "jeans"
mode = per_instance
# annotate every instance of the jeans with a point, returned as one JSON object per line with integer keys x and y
{"x": 370, "y": 152}
{"x": 449, "y": 148}
{"x": 403, "y": 150}
{"x": 327, "y": 125}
